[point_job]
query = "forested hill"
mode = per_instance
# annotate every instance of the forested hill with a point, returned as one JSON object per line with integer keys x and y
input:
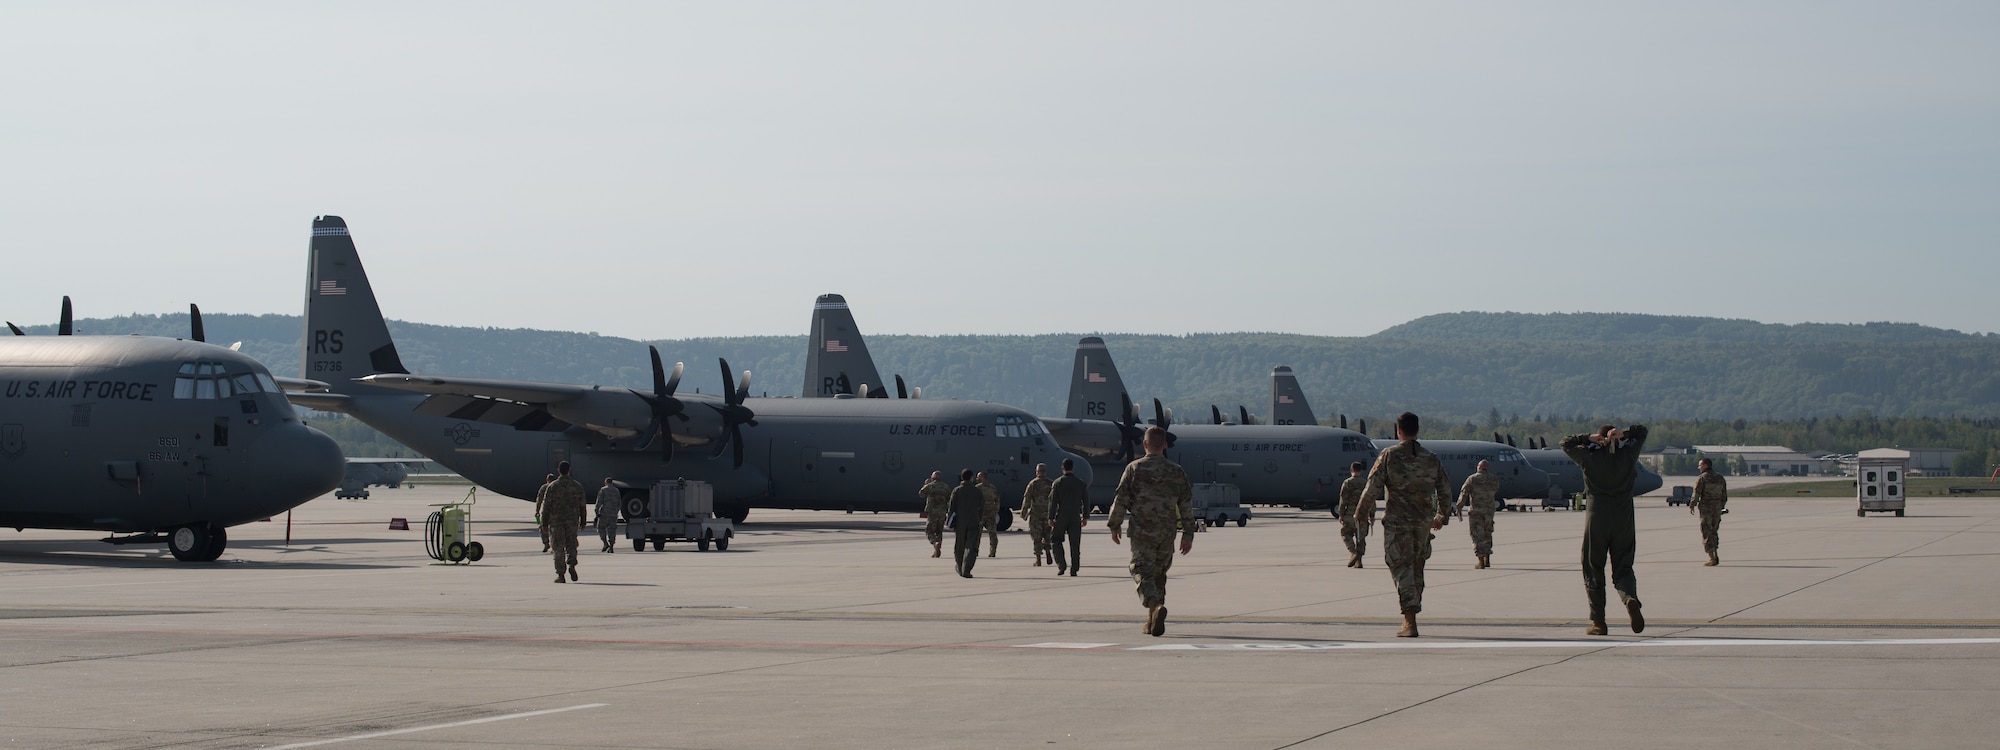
{"x": 1457, "y": 367}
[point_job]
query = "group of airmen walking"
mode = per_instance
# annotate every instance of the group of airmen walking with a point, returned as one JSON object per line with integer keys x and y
{"x": 1409, "y": 482}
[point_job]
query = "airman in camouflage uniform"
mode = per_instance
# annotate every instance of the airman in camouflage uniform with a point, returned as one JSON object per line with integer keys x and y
{"x": 562, "y": 513}
{"x": 1355, "y": 518}
{"x": 937, "y": 503}
{"x": 542, "y": 498}
{"x": 1476, "y": 497}
{"x": 1711, "y": 495}
{"x": 1155, "y": 494}
{"x": 1035, "y": 511}
{"x": 1409, "y": 480}
{"x": 989, "y": 514}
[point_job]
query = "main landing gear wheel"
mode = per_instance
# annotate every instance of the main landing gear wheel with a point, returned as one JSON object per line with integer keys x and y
{"x": 738, "y": 515}
{"x": 196, "y": 542}
{"x": 1006, "y": 520}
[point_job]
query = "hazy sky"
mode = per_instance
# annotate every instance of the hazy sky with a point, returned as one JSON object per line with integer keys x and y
{"x": 664, "y": 170}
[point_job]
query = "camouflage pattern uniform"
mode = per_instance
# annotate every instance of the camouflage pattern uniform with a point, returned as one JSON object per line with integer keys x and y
{"x": 562, "y": 511}
{"x": 989, "y": 516}
{"x": 1711, "y": 494}
{"x": 1409, "y": 480}
{"x": 1476, "y": 497}
{"x": 1355, "y": 517}
{"x": 937, "y": 503}
{"x": 541, "y": 499}
{"x": 1155, "y": 493}
{"x": 1035, "y": 511}
{"x": 607, "y": 517}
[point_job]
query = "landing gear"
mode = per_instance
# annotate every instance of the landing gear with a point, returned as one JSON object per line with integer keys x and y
{"x": 1006, "y": 520}
{"x": 197, "y": 542}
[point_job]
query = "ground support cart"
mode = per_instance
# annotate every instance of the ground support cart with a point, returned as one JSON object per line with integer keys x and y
{"x": 676, "y": 510}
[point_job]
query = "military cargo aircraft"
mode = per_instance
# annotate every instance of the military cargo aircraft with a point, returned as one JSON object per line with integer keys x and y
{"x": 363, "y": 473}
{"x": 168, "y": 440}
{"x": 1461, "y": 458}
{"x": 1566, "y": 478}
{"x": 842, "y": 453}
{"x": 1272, "y": 464}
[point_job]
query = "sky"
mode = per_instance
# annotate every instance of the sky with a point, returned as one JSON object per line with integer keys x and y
{"x": 666, "y": 170}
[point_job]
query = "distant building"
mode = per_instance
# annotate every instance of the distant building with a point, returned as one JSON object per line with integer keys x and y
{"x": 1927, "y": 462}
{"x": 1766, "y": 460}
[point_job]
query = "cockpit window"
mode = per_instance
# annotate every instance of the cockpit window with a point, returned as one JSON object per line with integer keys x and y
{"x": 212, "y": 380}
{"x": 1013, "y": 426}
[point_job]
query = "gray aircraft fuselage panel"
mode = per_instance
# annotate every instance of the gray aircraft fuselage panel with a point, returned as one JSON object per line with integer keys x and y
{"x": 1567, "y": 478}
{"x": 133, "y": 434}
{"x": 1518, "y": 477}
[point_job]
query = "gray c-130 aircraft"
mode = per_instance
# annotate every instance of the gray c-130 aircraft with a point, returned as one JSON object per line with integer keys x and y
{"x": 842, "y": 453}
{"x": 1518, "y": 477}
{"x": 142, "y": 435}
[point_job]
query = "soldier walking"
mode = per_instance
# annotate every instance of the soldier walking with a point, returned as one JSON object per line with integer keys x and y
{"x": 1355, "y": 518}
{"x": 1155, "y": 493}
{"x": 937, "y": 503}
{"x": 1409, "y": 480}
{"x": 541, "y": 499}
{"x": 607, "y": 516}
{"x": 1035, "y": 511}
{"x": 1069, "y": 512}
{"x": 967, "y": 503}
{"x": 989, "y": 515}
{"x": 1711, "y": 495}
{"x": 1476, "y": 498}
{"x": 562, "y": 512}
{"x": 1610, "y": 461}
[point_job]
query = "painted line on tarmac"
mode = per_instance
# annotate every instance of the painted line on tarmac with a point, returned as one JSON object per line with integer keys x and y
{"x": 1654, "y": 643}
{"x": 1065, "y": 645}
{"x": 469, "y": 722}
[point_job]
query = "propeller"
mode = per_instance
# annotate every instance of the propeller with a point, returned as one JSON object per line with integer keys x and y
{"x": 734, "y": 414}
{"x": 902, "y": 391}
{"x": 1496, "y": 438}
{"x": 67, "y": 325}
{"x": 1129, "y": 433}
{"x": 1343, "y": 421}
{"x": 1244, "y": 412}
{"x": 663, "y": 405}
{"x": 1165, "y": 419}
{"x": 1361, "y": 426}
{"x": 194, "y": 324}
{"x": 1216, "y": 413}
{"x": 1510, "y": 442}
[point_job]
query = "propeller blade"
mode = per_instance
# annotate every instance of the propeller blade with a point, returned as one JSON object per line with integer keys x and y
{"x": 1165, "y": 419}
{"x": 917, "y": 392}
{"x": 864, "y": 391}
{"x": 659, "y": 371}
{"x": 1496, "y": 438}
{"x": 1363, "y": 429}
{"x": 16, "y": 329}
{"x": 1128, "y": 427}
{"x": 194, "y": 324}
{"x": 901, "y": 391}
{"x": 1215, "y": 413}
{"x": 1343, "y": 421}
{"x": 1510, "y": 442}
{"x": 736, "y": 444}
{"x": 743, "y": 388}
{"x": 1244, "y": 411}
{"x": 67, "y": 324}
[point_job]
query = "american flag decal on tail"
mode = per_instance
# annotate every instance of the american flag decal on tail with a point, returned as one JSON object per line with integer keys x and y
{"x": 834, "y": 345}
{"x": 1095, "y": 377}
{"x": 331, "y": 289}
{"x": 1284, "y": 399}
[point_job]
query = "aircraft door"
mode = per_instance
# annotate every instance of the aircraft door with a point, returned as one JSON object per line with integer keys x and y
{"x": 558, "y": 453}
{"x": 808, "y": 464}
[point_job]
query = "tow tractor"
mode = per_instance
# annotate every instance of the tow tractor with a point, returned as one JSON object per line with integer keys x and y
{"x": 1217, "y": 503}
{"x": 676, "y": 510}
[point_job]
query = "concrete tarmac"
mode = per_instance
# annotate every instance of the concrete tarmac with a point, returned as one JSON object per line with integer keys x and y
{"x": 824, "y": 630}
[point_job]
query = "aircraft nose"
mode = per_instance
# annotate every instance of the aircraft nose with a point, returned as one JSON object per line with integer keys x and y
{"x": 1082, "y": 469}
{"x": 306, "y": 463}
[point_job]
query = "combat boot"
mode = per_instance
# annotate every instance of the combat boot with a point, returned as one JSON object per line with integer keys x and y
{"x": 1712, "y": 561}
{"x": 993, "y": 550}
{"x": 1596, "y": 628}
{"x": 937, "y": 548}
{"x": 1152, "y": 614}
{"x": 1038, "y": 561}
{"x": 1638, "y": 620}
{"x": 1483, "y": 564}
{"x": 1159, "y": 626}
{"x": 1409, "y": 627}
{"x": 560, "y": 579}
{"x": 1354, "y": 560}
{"x": 572, "y": 572}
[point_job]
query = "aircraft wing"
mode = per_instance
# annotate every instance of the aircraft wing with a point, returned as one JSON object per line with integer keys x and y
{"x": 616, "y": 413}
{"x": 414, "y": 463}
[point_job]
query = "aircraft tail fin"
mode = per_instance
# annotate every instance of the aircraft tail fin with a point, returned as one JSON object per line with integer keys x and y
{"x": 1288, "y": 401}
{"x": 837, "y": 360}
{"x": 345, "y": 334}
{"x": 1094, "y": 385}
